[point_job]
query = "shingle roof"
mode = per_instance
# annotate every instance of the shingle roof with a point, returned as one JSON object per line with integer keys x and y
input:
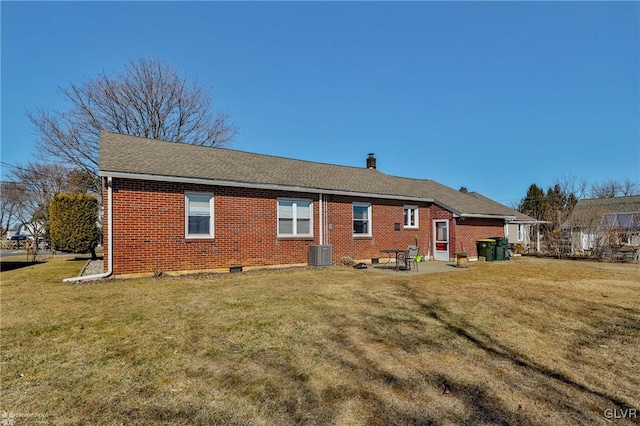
{"x": 589, "y": 211}
{"x": 130, "y": 155}
{"x": 468, "y": 203}
{"x": 612, "y": 205}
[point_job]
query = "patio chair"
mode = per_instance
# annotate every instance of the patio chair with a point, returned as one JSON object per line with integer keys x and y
{"x": 409, "y": 258}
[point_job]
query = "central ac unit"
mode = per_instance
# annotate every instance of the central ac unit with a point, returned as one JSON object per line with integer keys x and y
{"x": 320, "y": 256}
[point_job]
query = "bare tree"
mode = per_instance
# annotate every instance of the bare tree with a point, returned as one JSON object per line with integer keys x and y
{"x": 149, "y": 99}
{"x": 604, "y": 189}
{"x": 585, "y": 225}
{"x": 572, "y": 186}
{"x": 613, "y": 188}
{"x": 36, "y": 185}
{"x": 9, "y": 199}
{"x": 629, "y": 187}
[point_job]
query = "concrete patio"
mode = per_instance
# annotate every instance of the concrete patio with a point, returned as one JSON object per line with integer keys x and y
{"x": 428, "y": 267}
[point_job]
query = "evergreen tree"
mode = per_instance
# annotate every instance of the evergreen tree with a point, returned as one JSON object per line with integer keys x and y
{"x": 73, "y": 221}
{"x": 534, "y": 204}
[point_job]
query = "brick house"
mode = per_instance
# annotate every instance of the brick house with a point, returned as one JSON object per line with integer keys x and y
{"x": 175, "y": 207}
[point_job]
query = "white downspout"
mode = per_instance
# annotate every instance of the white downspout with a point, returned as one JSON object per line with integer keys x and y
{"x": 109, "y": 237}
{"x": 321, "y": 224}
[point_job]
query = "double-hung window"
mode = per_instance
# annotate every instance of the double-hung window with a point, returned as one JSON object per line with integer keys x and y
{"x": 361, "y": 220}
{"x": 199, "y": 215}
{"x": 410, "y": 216}
{"x": 295, "y": 218}
{"x": 520, "y": 232}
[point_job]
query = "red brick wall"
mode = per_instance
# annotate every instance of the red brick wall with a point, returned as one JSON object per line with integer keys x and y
{"x": 470, "y": 230}
{"x": 384, "y": 216}
{"x": 149, "y": 234}
{"x": 149, "y": 229}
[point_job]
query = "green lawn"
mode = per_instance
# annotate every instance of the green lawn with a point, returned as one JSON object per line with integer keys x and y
{"x": 530, "y": 341}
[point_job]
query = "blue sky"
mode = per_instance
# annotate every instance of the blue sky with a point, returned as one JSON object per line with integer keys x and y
{"x": 493, "y": 96}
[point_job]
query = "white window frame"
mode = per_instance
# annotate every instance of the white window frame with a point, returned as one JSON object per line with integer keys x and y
{"x": 295, "y": 233}
{"x": 520, "y": 232}
{"x": 353, "y": 219}
{"x": 406, "y": 216}
{"x": 186, "y": 215}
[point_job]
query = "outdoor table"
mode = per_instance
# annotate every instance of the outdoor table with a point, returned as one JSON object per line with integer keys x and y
{"x": 397, "y": 253}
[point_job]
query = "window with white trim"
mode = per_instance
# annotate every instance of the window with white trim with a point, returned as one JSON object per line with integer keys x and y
{"x": 295, "y": 218}
{"x": 411, "y": 216}
{"x": 520, "y": 232}
{"x": 198, "y": 215}
{"x": 361, "y": 219}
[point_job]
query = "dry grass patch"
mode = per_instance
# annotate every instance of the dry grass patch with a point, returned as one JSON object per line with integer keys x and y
{"x": 530, "y": 341}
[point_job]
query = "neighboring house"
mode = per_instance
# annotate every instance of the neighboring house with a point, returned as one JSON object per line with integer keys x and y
{"x": 23, "y": 230}
{"x": 175, "y": 207}
{"x": 604, "y": 222}
{"x": 520, "y": 230}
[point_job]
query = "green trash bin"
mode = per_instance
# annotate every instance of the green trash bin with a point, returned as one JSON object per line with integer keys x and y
{"x": 500, "y": 241}
{"x": 486, "y": 248}
{"x": 501, "y": 247}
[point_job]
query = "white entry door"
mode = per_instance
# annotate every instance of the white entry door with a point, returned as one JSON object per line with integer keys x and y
{"x": 441, "y": 243}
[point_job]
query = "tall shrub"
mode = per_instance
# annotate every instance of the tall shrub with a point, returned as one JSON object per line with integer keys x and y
{"x": 74, "y": 223}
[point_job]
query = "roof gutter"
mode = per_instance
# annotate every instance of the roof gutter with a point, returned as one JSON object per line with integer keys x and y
{"x": 110, "y": 243}
{"x": 488, "y": 216}
{"x": 271, "y": 186}
{"x": 529, "y": 221}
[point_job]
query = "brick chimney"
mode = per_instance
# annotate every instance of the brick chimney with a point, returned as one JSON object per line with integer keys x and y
{"x": 371, "y": 161}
